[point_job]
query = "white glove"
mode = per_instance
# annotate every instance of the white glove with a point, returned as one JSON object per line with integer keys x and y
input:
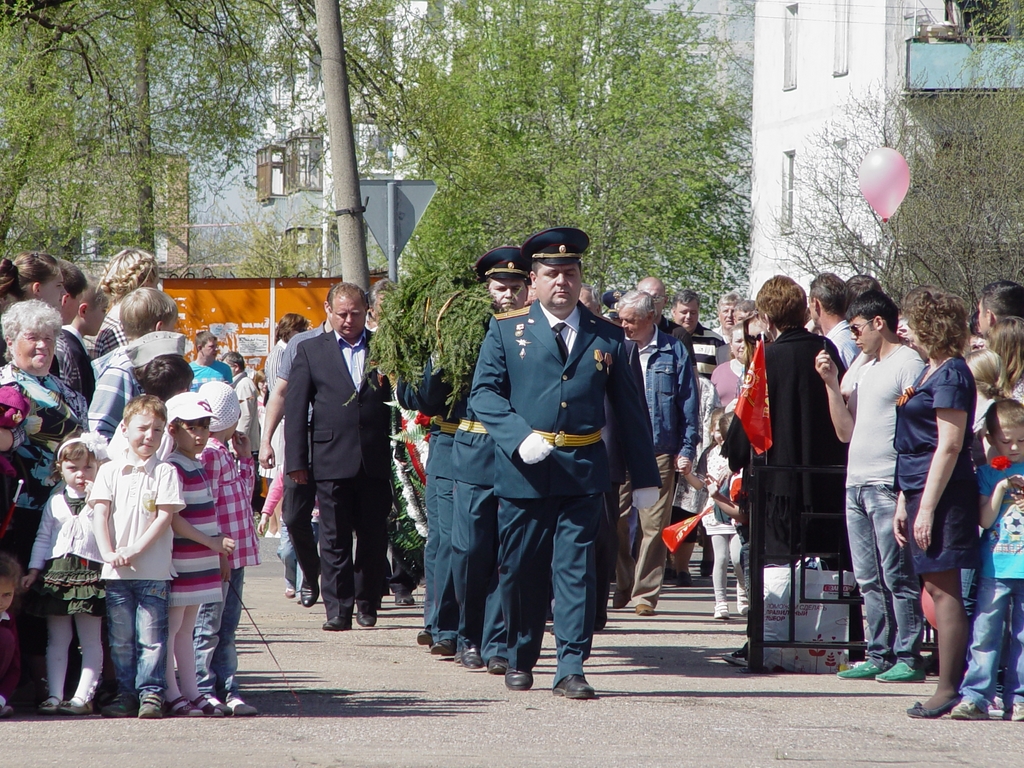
{"x": 645, "y": 497}
{"x": 534, "y": 449}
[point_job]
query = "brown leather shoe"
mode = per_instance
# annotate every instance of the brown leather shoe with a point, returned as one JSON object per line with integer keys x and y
{"x": 620, "y": 600}
{"x": 642, "y": 609}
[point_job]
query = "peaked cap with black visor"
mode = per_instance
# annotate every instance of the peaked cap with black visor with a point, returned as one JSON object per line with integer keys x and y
{"x": 503, "y": 262}
{"x": 556, "y": 246}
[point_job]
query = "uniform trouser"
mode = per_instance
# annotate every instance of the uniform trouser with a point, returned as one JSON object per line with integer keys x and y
{"x": 444, "y": 621}
{"x": 297, "y": 514}
{"x": 642, "y": 579}
{"x": 430, "y": 554}
{"x": 606, "y": 548}
{"x": 475, "y": 569}
{"x": 548, "y": 543}
{"x": 358, "y": 505}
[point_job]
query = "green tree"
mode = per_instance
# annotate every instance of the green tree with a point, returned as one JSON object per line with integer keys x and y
{"x": 602, "y": 115}
{"x": 104, "y": 93}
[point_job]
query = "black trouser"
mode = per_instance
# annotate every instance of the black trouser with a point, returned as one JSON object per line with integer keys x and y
{"x": 606, "y": 551}
{"x": 297, "y": 514}
{"x": 358, "y": 505}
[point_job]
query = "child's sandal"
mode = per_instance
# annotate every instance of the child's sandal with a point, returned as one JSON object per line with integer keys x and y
{"x": 207, "y": 707}
{"x": 182, "y": 707}
{"x": 51, "y": 706}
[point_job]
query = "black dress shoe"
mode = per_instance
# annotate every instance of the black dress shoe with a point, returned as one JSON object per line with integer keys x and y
{"x": 443, "y": 648}
{"x": 470, "y": 658}
{"x": 497, "y": 665}
{"x": 423, "y": 637}
{"x": 404, "y": 598}
{"x": 518, "y": 681}
{"x": 337, "y": 624}
{"x": 574, "y": 687}
{"x": 309, "y": 594}
{"x": 366, "y": 619}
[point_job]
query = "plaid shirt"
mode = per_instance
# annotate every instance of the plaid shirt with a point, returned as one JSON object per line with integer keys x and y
{"x": 232, "y": 483}
{"x": 111, "y": 335}
{"x": 115, "y": 386}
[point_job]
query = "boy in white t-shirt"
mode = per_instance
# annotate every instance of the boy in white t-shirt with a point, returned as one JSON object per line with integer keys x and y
{"x": 134, "y": 499}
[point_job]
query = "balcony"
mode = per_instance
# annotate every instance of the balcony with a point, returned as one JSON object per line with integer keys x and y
{"x": 956, "y": 66}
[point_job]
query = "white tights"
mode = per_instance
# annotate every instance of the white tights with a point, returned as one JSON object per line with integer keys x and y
{"x": 181, "y": 620}
{"x": 726, "y": 548}
{"x": 59, "y": 640}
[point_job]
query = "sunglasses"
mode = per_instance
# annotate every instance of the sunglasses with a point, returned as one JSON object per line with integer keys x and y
{"x": 858, "y": 329}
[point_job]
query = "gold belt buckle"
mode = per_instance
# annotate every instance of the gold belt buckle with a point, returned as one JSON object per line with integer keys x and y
{"x": 560, "y": 439}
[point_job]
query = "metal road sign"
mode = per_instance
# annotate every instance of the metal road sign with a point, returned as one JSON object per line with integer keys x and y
{"x": 393, "y": 209}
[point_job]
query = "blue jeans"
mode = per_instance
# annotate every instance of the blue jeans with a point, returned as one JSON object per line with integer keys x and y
{"x": 885, "y": 575}
{"x": 214, "y": 639}
{"x": 286, "y": 554}
{"x": 998, "y": 599}
{"x": 137, "y": 629}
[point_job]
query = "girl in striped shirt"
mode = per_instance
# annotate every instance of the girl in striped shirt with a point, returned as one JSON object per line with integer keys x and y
{"x": 197, "y": 542}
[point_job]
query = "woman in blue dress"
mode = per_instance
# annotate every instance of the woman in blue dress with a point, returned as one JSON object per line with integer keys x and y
{"x": 937, "y": 512}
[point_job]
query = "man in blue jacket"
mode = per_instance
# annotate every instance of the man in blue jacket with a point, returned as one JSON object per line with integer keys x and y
{"x": 673, "y": 402}
{"x": 539, "y": 390}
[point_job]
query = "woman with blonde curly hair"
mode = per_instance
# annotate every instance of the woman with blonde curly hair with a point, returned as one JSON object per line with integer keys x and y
{"x": 937, "y": 508}
{"x": 130, "y": 269}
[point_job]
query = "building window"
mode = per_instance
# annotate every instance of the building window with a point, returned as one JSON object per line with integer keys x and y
{"x": 269, "y": 172}
{"x": 841, "y": 55}
{"x": 789, "y": 57}
{"x": 304, "y": 163}
{"x": 788, "y": 190}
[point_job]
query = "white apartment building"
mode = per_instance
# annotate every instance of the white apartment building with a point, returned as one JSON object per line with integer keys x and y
{"x": 811, "y": 59}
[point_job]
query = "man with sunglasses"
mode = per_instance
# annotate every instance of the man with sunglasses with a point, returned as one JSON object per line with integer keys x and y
{"x": 884, "y": 571}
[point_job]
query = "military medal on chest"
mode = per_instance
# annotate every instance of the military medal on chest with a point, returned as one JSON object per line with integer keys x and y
{"x": 522, "y": 346}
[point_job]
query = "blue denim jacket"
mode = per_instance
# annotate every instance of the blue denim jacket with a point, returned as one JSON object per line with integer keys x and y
{"x": 673, "y": 399}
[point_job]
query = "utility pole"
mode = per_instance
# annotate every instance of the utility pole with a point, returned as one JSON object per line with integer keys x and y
{"x": 344, "y": 171}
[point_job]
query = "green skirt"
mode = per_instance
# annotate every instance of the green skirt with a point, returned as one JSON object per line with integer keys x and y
{"x": 68, "y": 586}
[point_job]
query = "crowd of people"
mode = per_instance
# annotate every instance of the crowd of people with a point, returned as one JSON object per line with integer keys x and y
{"x": 592, "y": 424}
{"x": 128, "y": 479}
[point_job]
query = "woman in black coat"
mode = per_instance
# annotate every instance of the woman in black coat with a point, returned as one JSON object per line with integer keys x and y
{"x": 802, "y": 431}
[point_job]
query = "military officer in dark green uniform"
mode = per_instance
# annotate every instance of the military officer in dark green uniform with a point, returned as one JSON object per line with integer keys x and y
{"x": 539, "y": 391}
{"x": 475, "y": 521}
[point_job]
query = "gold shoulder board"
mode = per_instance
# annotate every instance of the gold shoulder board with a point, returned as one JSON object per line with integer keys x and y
{"x": 512, "y": 313}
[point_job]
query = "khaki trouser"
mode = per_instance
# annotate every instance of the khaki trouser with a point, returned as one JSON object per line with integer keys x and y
{"x": 642, "y": 580}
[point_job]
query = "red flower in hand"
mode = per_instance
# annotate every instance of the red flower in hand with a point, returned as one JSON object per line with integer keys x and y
{"x": 422, "y": 420}
{"x": 1001, "y": 463}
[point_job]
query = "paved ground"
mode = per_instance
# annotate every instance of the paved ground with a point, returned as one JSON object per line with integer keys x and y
{"x": 374, "y": 698}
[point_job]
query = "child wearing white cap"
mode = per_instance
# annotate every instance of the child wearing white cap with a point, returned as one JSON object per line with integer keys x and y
{"x": 232, "y": 478}
{"x": 199, "y": 552}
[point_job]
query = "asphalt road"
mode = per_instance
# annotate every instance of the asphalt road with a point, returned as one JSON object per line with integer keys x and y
{"x": 372, "y": 697}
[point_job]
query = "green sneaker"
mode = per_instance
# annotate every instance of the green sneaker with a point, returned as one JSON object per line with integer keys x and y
{"x": 901, "y": 673}
{"x": 125, "y": 705}
{"x": 864, "y": 671}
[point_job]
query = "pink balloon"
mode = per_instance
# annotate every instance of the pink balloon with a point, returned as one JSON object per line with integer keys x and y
{"x": 884, "y": 180}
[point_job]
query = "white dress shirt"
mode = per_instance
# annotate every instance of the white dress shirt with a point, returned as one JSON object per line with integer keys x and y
{"x": 355, "y": 357}
{"x": 572, "y": 325}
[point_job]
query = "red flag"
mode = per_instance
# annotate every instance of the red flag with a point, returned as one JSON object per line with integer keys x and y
{"x": 752, "y": 406}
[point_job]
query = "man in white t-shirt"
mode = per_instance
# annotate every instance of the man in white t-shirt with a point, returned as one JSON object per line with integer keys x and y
{"x": 884, "y": 570}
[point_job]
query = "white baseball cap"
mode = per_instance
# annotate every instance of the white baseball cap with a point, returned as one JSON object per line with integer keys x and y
{"x": 189, "y": 406}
